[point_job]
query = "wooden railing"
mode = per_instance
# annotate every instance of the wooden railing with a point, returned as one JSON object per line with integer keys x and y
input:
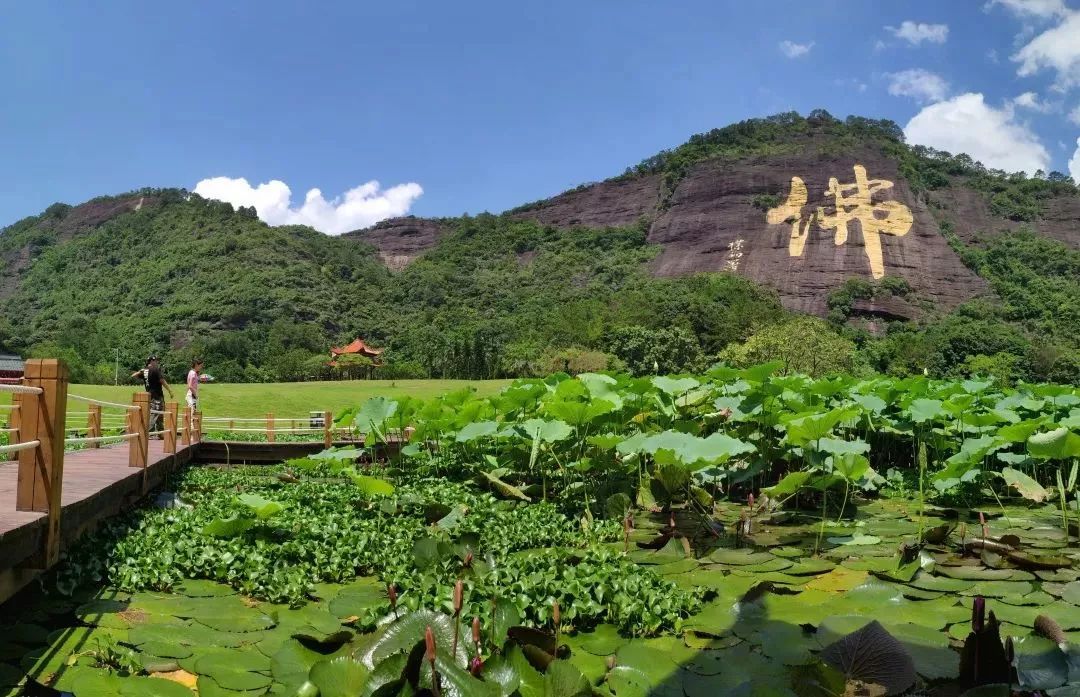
{"x": 38, "y": 435}
{"x": 272, "y": 426}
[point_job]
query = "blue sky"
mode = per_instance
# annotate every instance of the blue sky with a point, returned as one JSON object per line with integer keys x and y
{"x": 472, "y": 106}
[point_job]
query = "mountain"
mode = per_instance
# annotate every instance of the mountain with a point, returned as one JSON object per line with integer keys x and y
{"x": 702, "y": 250}
{"x": 706, "y": 207}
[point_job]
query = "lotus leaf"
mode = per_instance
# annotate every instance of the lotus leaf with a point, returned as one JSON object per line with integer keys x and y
{"x": 343, "y": 676}
{"x": 1059, "y": 444}
{"x": 872, "y": 655}
{"x": 261, "y": 507}
{"x": 1040, "y": 663}
{"x": 1025, "y": 484}
{"x": 234, "y": 670}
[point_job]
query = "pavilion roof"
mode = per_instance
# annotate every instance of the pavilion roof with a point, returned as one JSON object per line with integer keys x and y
{"x": 357, "y": 346}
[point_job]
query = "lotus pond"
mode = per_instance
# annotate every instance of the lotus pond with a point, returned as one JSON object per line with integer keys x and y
{"x": 708, "y": 535}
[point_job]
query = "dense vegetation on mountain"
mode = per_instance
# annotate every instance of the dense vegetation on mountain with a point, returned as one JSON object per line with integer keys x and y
{"x": 498, "y": 297}
{"x": 164, "y": 271}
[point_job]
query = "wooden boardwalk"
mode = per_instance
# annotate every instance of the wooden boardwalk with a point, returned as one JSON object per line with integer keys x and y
{"x": 97, "y": 483}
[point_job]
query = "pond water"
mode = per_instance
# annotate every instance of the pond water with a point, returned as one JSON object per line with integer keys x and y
{"x": 285, "y": 593}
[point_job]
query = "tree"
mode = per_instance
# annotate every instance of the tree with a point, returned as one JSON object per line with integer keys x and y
{"x": 350, "y": 366}
{"x": 654, "y": 351}
{"x": 804, "y": 345}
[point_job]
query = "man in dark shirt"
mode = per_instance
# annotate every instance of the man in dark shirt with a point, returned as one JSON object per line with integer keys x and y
{"x": 155, "y": 382}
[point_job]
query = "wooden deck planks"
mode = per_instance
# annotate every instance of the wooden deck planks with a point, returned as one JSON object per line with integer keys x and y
{"x": 97, "y": 482}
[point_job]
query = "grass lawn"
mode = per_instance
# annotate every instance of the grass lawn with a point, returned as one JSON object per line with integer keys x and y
{"x": 286, "y": 400}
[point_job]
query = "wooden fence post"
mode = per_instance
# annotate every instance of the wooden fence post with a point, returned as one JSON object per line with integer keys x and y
{"x": 187, "y": 426}
{"x": 170, "y": 428}
{"x": 139, "y": 423}
{"x": 93, "y": 424}
{"x": 42, "y": 418}
{"x": 196, "y": 423}
{"x": 15, "y": 436}
{"x": 270, "y": 427}
{"x": 328, "y": 435}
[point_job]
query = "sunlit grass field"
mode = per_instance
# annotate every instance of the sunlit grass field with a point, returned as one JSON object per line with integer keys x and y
{"x": 286, "y": 400}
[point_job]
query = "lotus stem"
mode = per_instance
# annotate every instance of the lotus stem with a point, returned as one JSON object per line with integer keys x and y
{"x": 843, "y": 504}
{"x": 821, "y": 528}
{"x": 429, "y": 653}
{"x": 458, "y": 594}
{"x": 556, "y": 618}
{"x": 1010, "y": 657}
{"x": 922, "y": 492}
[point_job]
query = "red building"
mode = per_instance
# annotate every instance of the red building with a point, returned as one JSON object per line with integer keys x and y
{"x": 357, "y": 348}
{"x": 11, "y": 369}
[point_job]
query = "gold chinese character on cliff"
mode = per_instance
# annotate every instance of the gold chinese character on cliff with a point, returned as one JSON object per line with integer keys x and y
{"x": 852, "y": 202}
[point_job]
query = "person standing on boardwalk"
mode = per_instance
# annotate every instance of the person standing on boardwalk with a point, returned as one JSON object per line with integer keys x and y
{"x": 193, "y": 384}
{"x": 155, "y": 385}
{"x": 143, "y": 373}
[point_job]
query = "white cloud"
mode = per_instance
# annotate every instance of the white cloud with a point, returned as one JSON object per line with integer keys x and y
{"x": 917, "y": 32}
{"x": 921, "y": 85}
{"x": 1030, "y": 100}
{"x": 1032, "y": 8}
{"x": 966, "y": 124}
{"x": 1074, "y": 115}
{"x": 992, "y": 56}
{"x": 794, "y": 50}
{"x": 359, "y": 207}
{"x": 1074, "y": 163}
{"x": 1058, "y": 49}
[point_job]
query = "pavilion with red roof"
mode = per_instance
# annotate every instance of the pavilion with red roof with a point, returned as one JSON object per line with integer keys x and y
{"x": 356, "y": 348}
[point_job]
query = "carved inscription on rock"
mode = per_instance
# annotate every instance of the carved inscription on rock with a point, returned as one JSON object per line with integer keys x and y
{"x": 851, "y": 202}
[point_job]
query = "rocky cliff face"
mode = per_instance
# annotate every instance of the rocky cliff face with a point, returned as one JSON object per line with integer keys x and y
{"x": 717, "y": 219}
{"x": 713, "y": 224}
{"x": 16, "y": 259}
{"x": 400, "y": 240}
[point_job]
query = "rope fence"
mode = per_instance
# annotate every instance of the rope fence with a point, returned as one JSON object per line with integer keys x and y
{"x": 19, "y": 447}
{"x": 20, "y": 389}
{"x": 103, "y": 403}
{"x": 119, "y": 437}
{"x": 263, "y": 430}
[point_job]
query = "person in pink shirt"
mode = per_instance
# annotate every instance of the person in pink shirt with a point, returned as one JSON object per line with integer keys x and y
{"x": 193, "y": 384}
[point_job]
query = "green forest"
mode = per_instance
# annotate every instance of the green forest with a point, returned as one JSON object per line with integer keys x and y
{"x": 503, "y": 297}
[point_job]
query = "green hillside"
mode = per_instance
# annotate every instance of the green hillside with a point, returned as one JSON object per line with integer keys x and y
{"x": 498, "y": 297}
{"x": 166, "y": 271}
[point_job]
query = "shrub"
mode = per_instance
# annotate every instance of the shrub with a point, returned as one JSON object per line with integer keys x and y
{"x": 575, "y": 360}
{"x": 804, "y": 345}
